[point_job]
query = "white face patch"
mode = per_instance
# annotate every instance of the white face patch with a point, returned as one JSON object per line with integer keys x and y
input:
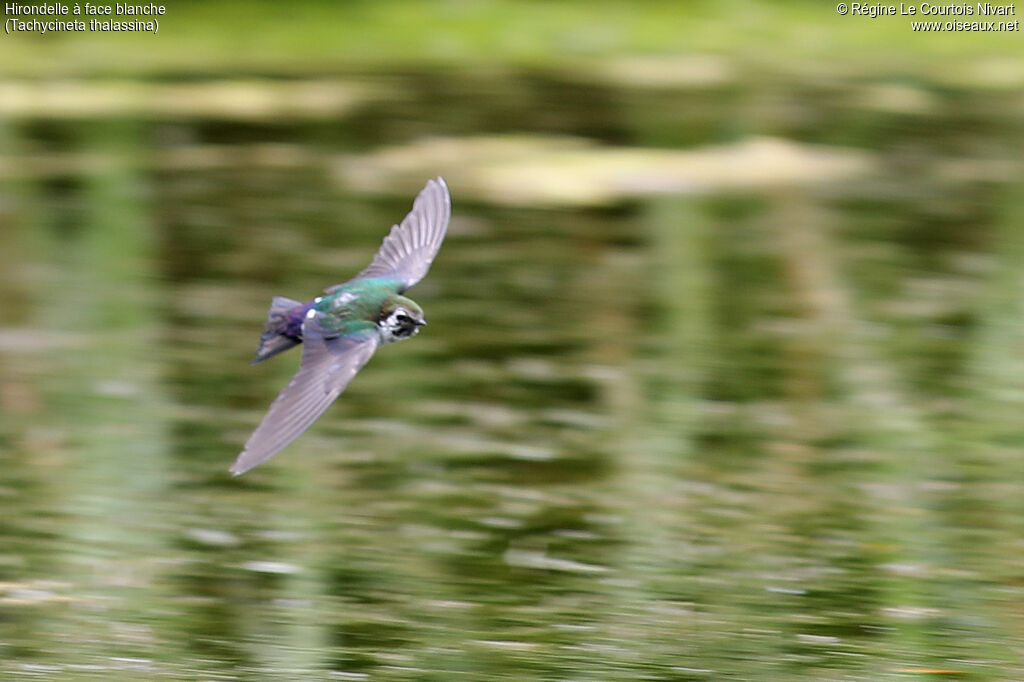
{"x": 399, "y": 325}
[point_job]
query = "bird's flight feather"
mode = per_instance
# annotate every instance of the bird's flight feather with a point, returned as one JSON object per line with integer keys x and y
{"x": 410, "y": 247}
{"x": 328, "y": 365}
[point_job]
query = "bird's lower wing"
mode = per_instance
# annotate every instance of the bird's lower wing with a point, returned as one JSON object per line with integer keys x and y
{"x": 328, "y": 365}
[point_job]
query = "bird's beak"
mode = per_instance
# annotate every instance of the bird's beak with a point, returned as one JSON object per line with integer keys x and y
{"x": 420, "y": 323}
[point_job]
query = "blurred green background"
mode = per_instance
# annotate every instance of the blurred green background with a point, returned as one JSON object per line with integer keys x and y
{"x": 723, "y": 380}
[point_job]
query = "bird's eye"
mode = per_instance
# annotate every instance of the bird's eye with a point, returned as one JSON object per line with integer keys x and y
{"x": 404, "y": 319}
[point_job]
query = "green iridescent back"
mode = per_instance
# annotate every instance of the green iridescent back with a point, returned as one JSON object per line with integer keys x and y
{"x": 356, "y": 306}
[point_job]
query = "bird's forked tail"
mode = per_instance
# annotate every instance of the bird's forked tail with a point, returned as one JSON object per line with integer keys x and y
{"x": 283, "y": 329}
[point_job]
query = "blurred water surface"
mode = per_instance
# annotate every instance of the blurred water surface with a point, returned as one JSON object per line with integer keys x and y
{"x": 723, "y": 380}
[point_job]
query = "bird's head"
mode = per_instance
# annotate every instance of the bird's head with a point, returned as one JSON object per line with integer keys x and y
{"x": 400, "y": 318}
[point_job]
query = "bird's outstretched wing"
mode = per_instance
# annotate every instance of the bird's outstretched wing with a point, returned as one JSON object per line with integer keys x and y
{"x": 328, "y": 365}
{"x": 410, "y": 247}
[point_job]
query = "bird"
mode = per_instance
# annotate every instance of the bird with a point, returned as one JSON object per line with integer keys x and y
{"x": 341, "y": 330}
